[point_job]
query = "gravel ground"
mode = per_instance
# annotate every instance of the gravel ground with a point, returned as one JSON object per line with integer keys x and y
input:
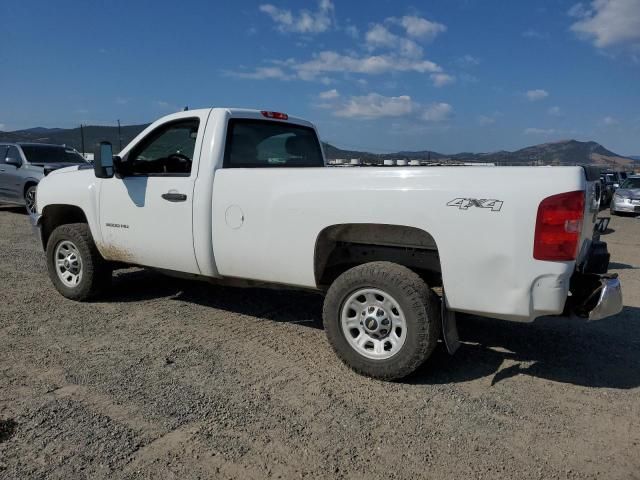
{"x": 177, "y": 379}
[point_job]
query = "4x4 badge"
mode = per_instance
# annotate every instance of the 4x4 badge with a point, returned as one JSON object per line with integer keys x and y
{"x": 465, "y": 203}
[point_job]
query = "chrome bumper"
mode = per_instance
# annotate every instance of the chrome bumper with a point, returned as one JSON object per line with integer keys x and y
{"x": 609, "y": 296}
{"x": 624, "y": 206}
{"x": 34, "y": 218}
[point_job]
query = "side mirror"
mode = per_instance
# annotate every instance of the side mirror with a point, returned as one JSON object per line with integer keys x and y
{"x": 103, "y": 160}
{"x": 13, "y": 161}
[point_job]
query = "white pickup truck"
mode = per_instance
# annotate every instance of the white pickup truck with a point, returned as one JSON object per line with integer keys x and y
{"x": 245, "y": 197}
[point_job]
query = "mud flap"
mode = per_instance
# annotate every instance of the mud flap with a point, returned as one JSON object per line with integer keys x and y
{"x": 449, "y": 327}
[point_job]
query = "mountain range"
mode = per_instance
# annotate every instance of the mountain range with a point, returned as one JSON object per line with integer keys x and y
{"x": 565, "y": 152}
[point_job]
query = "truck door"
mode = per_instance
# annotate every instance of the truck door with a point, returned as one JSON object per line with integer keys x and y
{"x": 146, "y": 208}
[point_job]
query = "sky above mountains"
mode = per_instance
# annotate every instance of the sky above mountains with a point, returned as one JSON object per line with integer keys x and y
{"x": 446, "y": 75}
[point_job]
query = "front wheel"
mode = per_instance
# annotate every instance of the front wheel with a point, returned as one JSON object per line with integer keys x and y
{"x": 75, "y": 266}
{"x": 30, "y": 200}
{"x": 382, "y": 320}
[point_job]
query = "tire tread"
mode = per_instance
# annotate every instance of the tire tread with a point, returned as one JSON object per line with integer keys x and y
{"x": 423, "y": 304}
{"x": 96, "y": 271}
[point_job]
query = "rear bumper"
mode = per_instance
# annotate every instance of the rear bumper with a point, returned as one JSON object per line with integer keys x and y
{"x": 609, "y": 298}
{"x": 595, "y": 294}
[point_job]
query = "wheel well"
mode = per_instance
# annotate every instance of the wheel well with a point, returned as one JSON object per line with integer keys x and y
{"x": 55, "y": 215}
{"x": 30, "y": 183}
{"x": 340, "y": 247}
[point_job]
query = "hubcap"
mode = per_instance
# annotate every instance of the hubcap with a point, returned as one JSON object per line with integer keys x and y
{"x": 68, "y": 263}
{"x": 30, "y": 200}
{"x": 373, "y": 323}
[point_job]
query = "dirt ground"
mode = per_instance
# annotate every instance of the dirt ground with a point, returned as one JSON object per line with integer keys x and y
{"x": 177, "y": 379}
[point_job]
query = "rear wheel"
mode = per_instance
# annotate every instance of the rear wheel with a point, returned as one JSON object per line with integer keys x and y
{"x": 382, "y": 320}
{"x": 30, "y": 199}
{"x": 75, "y": 266}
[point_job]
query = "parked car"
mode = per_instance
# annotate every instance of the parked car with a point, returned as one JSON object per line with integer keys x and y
{"x": 609, "y": 182}
{"x": 626, "y": 199}
{"x": 244, "y": 197}
{"x": 23, "y": 165}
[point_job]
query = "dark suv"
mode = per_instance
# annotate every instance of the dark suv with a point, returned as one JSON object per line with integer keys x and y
{"x": 23, "y": 165}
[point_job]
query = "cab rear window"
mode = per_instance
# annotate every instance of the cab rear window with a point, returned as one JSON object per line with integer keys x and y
{"x": 264, "y": 144}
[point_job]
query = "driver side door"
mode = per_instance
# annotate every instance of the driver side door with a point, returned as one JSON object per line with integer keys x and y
{"x": 146, "y": 208}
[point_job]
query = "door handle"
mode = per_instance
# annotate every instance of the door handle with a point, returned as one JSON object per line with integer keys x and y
{"x": 174, "y": 197}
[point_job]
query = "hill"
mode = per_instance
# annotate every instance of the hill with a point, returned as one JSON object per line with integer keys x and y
{"x": 72, "y": 136}
{"x": 566, "y": 152}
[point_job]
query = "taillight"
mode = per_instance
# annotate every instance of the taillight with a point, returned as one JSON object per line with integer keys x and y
{"x": 276, "y": 115}
{"x": 558, "y": 227}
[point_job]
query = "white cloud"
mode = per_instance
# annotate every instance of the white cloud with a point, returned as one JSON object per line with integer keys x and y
{"x": 437, "y": 112}
{"x": 262, "y": 73}
{"x": 540, "y": 131}
{"x": 467, "y": 61}
{"x": 376, "y": 106}
{"x": 379, "y": 36}
{"x": 329, "y": 94}
{"x": 467, "y": 78}
{"x": 486, "y": 120}
{"x": 442, "y": 79}
{"x": 554, "y": 111}
{"x": 608, "y": 23}
{"x": 418, "y": 27}
{"x": 352, "y": 31}
{"x": 610, "y": 121}
{"x": 2, "y": 126}
{"x": 303, "y": 22}
{"x": 400, "y": 52}
{"x": 330, "y": 62}
{"x": 538, "y": 94}
{"x": 535, "y": 34}
{"x": 578, "y": 11}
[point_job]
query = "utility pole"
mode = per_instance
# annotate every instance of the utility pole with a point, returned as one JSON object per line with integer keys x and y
{"x": 119, "y": 136}
{"x": 82, "y": 138}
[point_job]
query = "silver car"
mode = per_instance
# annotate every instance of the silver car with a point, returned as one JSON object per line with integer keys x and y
{"x": 626, "y": 199}
{"x": 23, "y": 165}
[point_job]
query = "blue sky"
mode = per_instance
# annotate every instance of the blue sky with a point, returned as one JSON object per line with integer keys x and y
{"x": 444, "y": 75}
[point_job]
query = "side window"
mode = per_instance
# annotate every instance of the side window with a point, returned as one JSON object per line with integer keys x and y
{"x": 168, "y": 150}
{"x": 3, "y": 153}
{"x": 264, "y": 143}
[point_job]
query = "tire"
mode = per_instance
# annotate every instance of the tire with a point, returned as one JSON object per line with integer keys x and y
{"x": 30, "y": 199}
{"x": 72, "y": 243}
{"x": 399, "y": 287}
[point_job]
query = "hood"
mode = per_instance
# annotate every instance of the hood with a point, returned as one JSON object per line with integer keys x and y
{"x": 54, "y": 165}
{"x": 51, "y": 169}
{"x": 633, "y": 193}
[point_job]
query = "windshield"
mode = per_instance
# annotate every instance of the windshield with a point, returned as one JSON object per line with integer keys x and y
{"x": 49, "y": 154}
{"x": 631, "y": 183}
